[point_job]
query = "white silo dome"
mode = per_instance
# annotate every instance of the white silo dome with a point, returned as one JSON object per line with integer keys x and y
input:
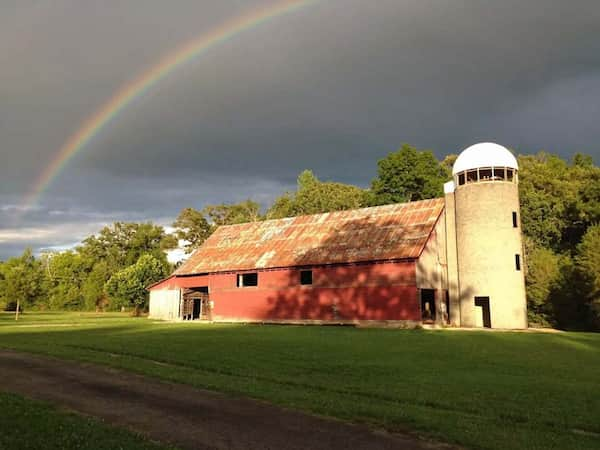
{"x": 484, "y": 154}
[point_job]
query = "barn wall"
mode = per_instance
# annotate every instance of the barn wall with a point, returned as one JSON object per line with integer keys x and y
{"x": 385, "y": 291}
{"x": 164, "y": 304}
{"x": 431, "y": 265}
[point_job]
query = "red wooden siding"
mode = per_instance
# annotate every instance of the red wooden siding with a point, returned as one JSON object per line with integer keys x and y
{"x": 371, "y": 291}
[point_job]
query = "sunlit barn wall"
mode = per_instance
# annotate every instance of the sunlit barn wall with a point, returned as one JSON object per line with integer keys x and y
{"x": 371, "y": 291}
{"x": 164, "y": 303}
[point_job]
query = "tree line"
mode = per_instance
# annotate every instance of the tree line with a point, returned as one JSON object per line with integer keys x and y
{"x": 560, "y": 214}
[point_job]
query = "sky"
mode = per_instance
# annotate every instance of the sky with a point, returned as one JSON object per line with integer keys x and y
{"x": 332, "y": 87}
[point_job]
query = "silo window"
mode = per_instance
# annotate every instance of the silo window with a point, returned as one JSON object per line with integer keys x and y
{"x": 515, "y": 221}
{"x": 509, "y": 174}
{"x": 472, "y": 176}
{"x": 518, "y": 261}
{"x": 461, "y": 178}
{"x": 247, "y": 279}
{"x": 485, "y": 174}
{"x": 499, "y": 173}
{"x": 306, "y": 277}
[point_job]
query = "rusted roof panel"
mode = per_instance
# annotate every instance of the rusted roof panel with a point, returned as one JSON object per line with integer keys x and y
{"x": 379, "y": 233}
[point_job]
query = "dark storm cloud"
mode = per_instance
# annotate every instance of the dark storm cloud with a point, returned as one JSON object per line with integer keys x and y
{"x": 332, "y": 87}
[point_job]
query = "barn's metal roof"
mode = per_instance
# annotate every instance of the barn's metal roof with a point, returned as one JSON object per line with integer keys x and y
{"x": 370, "y": 234}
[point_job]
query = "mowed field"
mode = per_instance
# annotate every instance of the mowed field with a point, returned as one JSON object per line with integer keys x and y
{"x": 28, "y": 424}
{"x": 492, "y": 390}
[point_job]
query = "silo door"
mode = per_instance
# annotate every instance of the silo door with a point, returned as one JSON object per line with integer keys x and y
{"x": 482, "y": 312}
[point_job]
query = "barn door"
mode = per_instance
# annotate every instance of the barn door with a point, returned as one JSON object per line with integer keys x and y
{"x": 483, "y": 317}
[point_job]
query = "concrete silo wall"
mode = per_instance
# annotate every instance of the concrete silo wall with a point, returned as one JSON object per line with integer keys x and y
{"x": 487, "y": 244}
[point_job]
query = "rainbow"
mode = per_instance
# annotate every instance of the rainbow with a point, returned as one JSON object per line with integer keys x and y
{"x": 132, "y": 90}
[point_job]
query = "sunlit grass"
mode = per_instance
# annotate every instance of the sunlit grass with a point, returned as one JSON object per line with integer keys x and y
{"x": 479, "y": 389}
{"x": 28, "y": 424}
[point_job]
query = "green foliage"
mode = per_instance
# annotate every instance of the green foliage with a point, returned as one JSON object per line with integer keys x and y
{"x": 283, "y": 206}
{"x": 231, "y": 214}
{"x": 448, "y": 163}
{"x": 588, "y": 262}
{"x": 65, "y": 273}
{"x": 314, "y": 196}
{"x": 122, "y": 244}
{"x": 116, "y": 248}
{"x": 22, "y": 281}
{"x": 76, "y": 279}
{"x": 581, "y": 160}
{"x": 192, "y": 227}
{"x": 92, "y": 286}
{"x": 558, "y": 201}
{"x": 543, "y": 277}
{"x": 566, "y": 298}
{"x": 408, "y": 174}
{"x": 128, "y": 287}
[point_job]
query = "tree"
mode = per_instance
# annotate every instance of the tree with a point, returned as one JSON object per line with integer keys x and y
{"x": 231, "y": 214}
{"x": 65, "y": 273}
{"x": 283, "y": 206}
{"x": 113, "y": 249}
{"x": 581, "y": 160}
{"x": 128, "y": 287}
{"x": 543, "y": 278}
{"x": 92, "y": 287}
{"x": 558, "y": 201}
{"x": 192, "y": 227}
{"x": 448, "y": 164}
{"x": 407, "y": 175}
{"x": 314, "y": 196}
{"x": 122, "y": 244}
{"x": 22, "y": 281}
{"x": 545, "y": 196}
{"x": 588, "y": 266}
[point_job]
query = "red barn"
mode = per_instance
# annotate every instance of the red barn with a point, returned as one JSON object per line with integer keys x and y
{"x": 382, "y": 263}
{"x": 453, "y": 260}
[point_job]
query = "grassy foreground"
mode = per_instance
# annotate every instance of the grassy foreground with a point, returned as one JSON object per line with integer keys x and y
{"x": 28, "y": 424}
{"x": 479, "y": 389}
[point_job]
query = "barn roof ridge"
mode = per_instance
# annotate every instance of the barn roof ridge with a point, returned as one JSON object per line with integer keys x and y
{"x": 389, "y": 205}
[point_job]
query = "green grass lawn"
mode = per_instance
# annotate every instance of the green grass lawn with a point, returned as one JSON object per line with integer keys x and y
{"x": 479, "y": 389}
{"x": 27, "y": 424}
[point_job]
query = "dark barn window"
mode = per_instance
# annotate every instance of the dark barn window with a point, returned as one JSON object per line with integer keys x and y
{"x": 247, "y": 279}
{"x": 518, "y": 261}
{"x": 306, "y": 277}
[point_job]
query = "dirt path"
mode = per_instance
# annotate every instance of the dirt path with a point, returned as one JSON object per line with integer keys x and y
{"x": 182, "y": 415}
